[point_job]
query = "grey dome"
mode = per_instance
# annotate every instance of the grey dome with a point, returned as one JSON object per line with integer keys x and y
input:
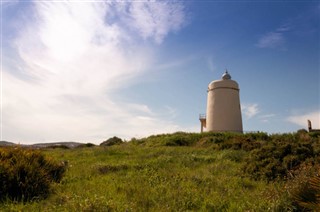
{"x": 226, "y": 76}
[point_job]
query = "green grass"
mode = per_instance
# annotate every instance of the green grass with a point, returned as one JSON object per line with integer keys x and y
{"x": 153, "y": 178}
{"x": 160, "y": 174}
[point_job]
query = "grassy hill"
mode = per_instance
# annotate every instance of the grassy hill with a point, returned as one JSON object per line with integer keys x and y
{"x": 187, "y": 171}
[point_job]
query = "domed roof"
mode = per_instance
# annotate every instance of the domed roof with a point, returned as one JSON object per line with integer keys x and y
{"x": 226, "y": 76}
{"x": 225, "y": 82}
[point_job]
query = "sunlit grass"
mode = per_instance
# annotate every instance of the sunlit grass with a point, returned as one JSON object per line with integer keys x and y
{"x": 137, "y": 178}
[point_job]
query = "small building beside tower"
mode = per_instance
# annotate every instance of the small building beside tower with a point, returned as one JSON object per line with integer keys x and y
{"x": 310, "y": 129}
{"x": 223, "y": 106}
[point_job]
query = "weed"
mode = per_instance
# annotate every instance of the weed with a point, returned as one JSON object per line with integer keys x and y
{"x": 26, "y": 174}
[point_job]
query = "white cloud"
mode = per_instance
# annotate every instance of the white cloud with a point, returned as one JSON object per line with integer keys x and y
{"x": 211, "y": 65}
{"x": 77, "y": 59}
{"x": 250, "y": 110}
{"x": 301, "y": 120}
{"x": 155, "y": 19}
{"x": 6, "y": 3}
{"x": 265, "y": 118}
{"x": 285, "y": 27}
{"x": 169, "y": 65}
{"x": 276, "y": 38}
{"x": 271, "y": 40}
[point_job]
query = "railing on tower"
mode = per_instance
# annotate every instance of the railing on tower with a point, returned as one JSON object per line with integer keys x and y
{"x": 202, "y": 116}
{"x": 203, "y": 121}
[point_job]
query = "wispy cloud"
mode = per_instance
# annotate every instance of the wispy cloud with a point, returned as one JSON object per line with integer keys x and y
{"x": 168, "y": 65}
{"x": 274, "y": 39}
{"x": 156, "y": 19}
{"x": 211, "y": 65}
{"x": 302, "y": 25}
{"x": 266, "y": 117}
{"x": 6, "y": 3}
{"x": 250, "y": 110}
{"x": 285, "y": 27}
{"x": 271, "y": 40}
{"x": 301, "y": 119}
{"x": 77, "y": 55}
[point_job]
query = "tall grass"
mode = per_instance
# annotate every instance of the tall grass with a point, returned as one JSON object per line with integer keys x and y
{"x": 131, "y": 178}
{"x": 177, "y": 172}
{"x": 27, "y": 174}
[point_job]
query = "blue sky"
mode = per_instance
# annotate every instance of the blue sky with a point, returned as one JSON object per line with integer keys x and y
{"x": 88, "y": 70}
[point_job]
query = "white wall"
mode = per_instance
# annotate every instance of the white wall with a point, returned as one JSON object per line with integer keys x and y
{"x": 223, "y": 107}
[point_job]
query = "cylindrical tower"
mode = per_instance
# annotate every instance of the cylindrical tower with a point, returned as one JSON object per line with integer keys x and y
{"x": 223, "y": 106}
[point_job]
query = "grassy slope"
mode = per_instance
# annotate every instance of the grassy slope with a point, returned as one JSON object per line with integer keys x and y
{"x": 159, "y": 178}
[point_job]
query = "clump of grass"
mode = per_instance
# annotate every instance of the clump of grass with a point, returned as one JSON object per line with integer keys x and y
{"x": 27, "y": 174}
{"x": 178, "y": 139}
{"x": 303, "y": 187}
{"x": 112, "y": 141}
{"x": 275, "y": 159}
{"x": 104, "y": 169}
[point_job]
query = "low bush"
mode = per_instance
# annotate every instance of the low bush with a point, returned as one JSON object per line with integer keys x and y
{"x": 315, "y": 134}
{"x": 267, "y": 157}
{"x": 275, "y": 159}
{"x": 27, "y": 174}
{"x": 257, "y": 136}
{"x": 178, "y": 139}
{"x": 303, "y": 187}
{"x": 240, "y": 143}
{"x": 58, "y": 146}
{"x": 175, "y": 139}
{"x": 112, "y": 141}
{"x": 86, "y": 145}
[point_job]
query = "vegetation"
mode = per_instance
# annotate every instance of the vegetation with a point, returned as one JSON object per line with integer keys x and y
{"x": 27, "y": 175}
{"x": 112, "y": 141}
{"x": 304, "y": 187}
{"x": 188, "y": 171}
{"x": 86, "y": 145}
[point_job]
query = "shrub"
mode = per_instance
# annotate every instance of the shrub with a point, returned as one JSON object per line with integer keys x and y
{"x": 303, "y": 187}
{"x": 302, "y": 131}
{"x": 257, "y": 136}
{"x": 276, "y": 158}
{"x": 181, "y": 139}
{"x": 112, "y": 141}
{"x": 314, "y": 134}
{"x": 86, "y": 145}
{"x": 26, "y": 174}
{"x": 58, "y": 146}
{"x": 177, "y": 140}
{"x": 240, "y": 143}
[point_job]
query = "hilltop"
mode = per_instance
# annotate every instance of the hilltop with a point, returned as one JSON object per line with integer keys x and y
{"x": 6, "y": 143}
{"x": 188, "y": 171}
{"x": 66, "y": 144}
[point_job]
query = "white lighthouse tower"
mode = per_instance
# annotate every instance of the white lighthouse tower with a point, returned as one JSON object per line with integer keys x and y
{"x": 223, "y": 106}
